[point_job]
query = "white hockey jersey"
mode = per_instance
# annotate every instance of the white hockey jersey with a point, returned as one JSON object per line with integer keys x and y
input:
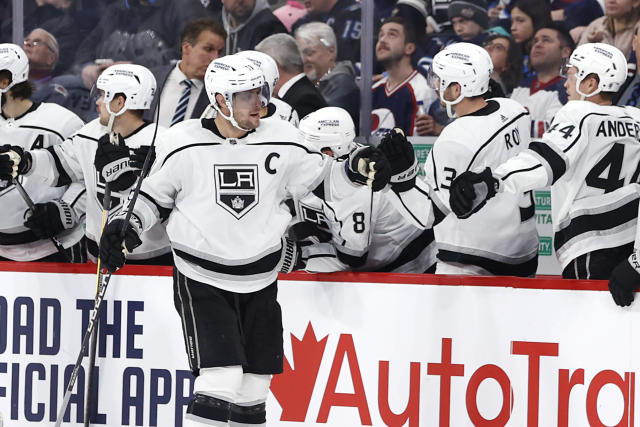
{"x": 72, "y": 161}
{"x": 369, "y": 234}
{"x": 499, "y": 239}
{"x": 225, "y": 198}
{"x": 591, "y": 158}
{"x": 43, "y": 125}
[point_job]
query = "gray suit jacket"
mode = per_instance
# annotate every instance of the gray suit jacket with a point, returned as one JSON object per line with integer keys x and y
{"x": 161, "y": 74}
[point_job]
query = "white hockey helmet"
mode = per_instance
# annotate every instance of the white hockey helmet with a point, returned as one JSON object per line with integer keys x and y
{"x": 467, "y": 64}
{"x": 14, "y": 60}
{"x": 269, "y": 69}
{"x": 329, "y": 127}
{"x": 604, "y": 60}
{"x": 136, "y": 82}
{"x": 230, "y": 75}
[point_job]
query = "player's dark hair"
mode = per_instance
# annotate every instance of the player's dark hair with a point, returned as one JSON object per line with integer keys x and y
{"x": 563, "y": 34}
{"x": 193, "y": 29}
{"x": 22, "y": 90}
{"x": 409, "y": 32}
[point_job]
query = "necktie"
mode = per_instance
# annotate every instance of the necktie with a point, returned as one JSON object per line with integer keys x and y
{"x": 635, "y": 95}
{"x": 181, "y": 108}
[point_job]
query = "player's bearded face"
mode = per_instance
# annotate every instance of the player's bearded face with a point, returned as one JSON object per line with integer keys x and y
{"x": 246, "y": 108}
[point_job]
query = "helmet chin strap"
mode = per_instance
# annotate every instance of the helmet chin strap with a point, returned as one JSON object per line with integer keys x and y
{"x": 230, "y": 118}
{"x": 450, "y": 104}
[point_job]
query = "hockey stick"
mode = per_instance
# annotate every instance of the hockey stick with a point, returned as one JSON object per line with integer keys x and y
{"x": 103, "y": 279}
{"x": 29, "y": 202}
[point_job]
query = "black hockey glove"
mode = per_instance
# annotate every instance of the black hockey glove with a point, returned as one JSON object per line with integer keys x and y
{"x": 291, "y": 258}
{"x": 50, "y": 219}
{"x": 303, "y": 232}
{"x": 625, "y": 280}
{"x": 14, "y": 161}
{"x": 368, "y": 166}
{"x": 112, "y": 246}
{"x": 112, "y": 161}
{"x": 470, "y": 191}
{"x": 139, "y": 154}
{"x": 402, "y": 158}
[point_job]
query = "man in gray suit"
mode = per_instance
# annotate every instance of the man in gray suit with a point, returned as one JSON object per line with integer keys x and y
{"x": 181, "y": 86}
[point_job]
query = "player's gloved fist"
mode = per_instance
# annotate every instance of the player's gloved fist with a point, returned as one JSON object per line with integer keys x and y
{"x": 625, "y": 280}
{"x": 112, "y": 246}
{"x": 402, "y": 159}
{"x": 49, "y": 219}
{"x": 13, "y": 162}
{"x": 139, "y": 154}
{"x": 291, "y": 257}
{"x": 307, "y": 233}
{"x": 470, "y": 191}
{"x": 112, "y": 161}
{"x": 368, "y": 166}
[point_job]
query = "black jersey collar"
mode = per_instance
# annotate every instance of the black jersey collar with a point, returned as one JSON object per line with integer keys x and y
{"x": 142, "y": 126}
{"x": 210, "y": 124}
{"x": 491, "y": 107}
{"x": 33, "y": 107}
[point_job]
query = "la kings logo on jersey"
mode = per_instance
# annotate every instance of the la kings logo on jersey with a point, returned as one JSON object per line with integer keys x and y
{"x": 316, "y": 216}
{"x": 237, "y": 188}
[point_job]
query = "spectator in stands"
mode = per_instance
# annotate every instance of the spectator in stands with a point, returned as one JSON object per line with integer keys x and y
{"x": 344, "y": 17}
{"x": 58, "y": 18}
{"x": 577, "y": 15}
{"x": 247, "y": 22}
{"x": 616, "y": 27}
{"x": 397, "y": 97}
{"x": 544, "y": 94}
{"x": 181, "y": 86}
{"x": 336, "y": 81}
{"x": 143, "y": 31}
{"x": 415, "y": 13}
{"x": 42, "y": 50}
{"x": 293, "y": 87}
{"x": 469, "y": 19}
{"x": 629, "y": 93}
{"x": 527, "y": 16}
{"x": 507, "y": 61}
{"x": 290, "y": 13}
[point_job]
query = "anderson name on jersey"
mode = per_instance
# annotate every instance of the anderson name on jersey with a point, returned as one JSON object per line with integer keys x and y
{"x": 591, "y": 158}
{"x": 43, "y": 125}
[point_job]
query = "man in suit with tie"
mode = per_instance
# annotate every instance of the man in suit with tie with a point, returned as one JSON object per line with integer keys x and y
{"x": 181, "y": 86}
{"x": 294, "y": 87}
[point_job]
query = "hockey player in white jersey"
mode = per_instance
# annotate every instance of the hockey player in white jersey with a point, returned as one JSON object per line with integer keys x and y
{"x": 89, "y": 158}
{"x": 590, "y": 156}
{"x": 363, "y": 232}
{"x": 274, "y": 107}
{"x": 502, "y": 240}
{"x": 222, "y": 184}
{"x": 58, "y": 212}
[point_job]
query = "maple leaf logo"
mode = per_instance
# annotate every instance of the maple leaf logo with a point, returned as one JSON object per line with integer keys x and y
{"x": 293, "y": 387}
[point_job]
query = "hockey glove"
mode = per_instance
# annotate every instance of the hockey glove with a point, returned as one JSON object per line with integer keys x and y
{"x": 625, "y": 280}
{"x": 303, "y": 232}
{"x": 291, "y": 257}
{"x": 112, "y": 246}
{"x": 368, "y": 166}
{"x": 14, "y": 161}
{"x": 139, "y": 154}
{"x": 402, "y": 158}
{"x": 470, "y": 192}
{"x": 112, "y": 161}
{"x": 50, "y": 219}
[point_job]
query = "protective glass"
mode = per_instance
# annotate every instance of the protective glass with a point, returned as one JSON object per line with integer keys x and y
{"x": 95, "y": 94}
{"x": 433, "y": 80}
{"x": 247, "y": 99}
{"x": 566, "y": 67}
